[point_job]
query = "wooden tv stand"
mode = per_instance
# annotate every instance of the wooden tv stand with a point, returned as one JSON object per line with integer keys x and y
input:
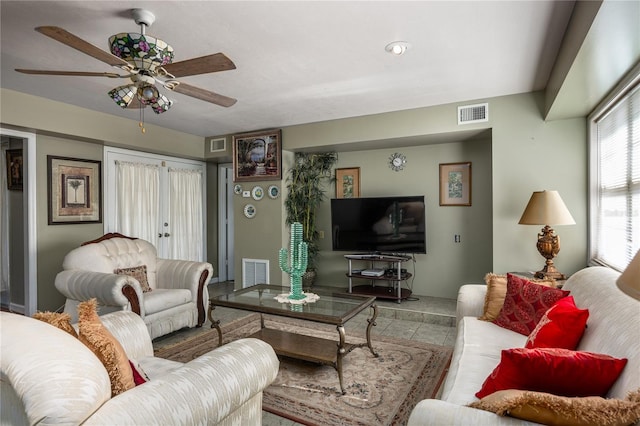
{"x": 393, "y": 289}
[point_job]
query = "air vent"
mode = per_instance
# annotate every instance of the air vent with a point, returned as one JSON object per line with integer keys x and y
{"x": 473, "y": 113}
{"x": 218, "y": 145}
{"x": 255, "y": 271}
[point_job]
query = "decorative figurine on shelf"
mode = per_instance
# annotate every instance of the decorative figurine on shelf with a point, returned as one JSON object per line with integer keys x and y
{"x": 296, "y": 265}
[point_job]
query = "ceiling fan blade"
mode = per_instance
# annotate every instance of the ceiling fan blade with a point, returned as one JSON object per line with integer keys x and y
{"x": 202, "y": 65}
{"x": 204, "y": 95}
{"x": 73, "y": 73}
{"x": 65, "y": 37}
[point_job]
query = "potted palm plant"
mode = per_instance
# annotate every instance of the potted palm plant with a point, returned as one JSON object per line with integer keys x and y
{"x": 306, "y": 191}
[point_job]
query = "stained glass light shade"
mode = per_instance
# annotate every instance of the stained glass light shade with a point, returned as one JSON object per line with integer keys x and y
{"x": 123, "y": 95}
{"x": 143, "y": 51}
{"x": 149, "y": 95}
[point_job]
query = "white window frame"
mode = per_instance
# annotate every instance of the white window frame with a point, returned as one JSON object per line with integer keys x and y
{"x": 619, "y": 93}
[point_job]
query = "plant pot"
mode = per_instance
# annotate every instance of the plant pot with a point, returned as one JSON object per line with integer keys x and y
{"x": 308, "y": 278}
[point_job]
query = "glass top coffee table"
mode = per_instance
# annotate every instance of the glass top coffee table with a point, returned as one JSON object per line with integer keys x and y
{"x": 332, "y": 308}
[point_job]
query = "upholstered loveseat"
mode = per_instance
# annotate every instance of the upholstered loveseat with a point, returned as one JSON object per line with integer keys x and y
{"x": 613, "y": 328}
{"x": 51, "y": 377}
{"x": 178, "y": 296}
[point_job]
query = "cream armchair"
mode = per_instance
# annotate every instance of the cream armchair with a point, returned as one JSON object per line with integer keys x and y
{"x": 178, "y": 296}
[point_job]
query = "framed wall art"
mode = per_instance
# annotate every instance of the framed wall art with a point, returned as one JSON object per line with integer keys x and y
{"x": 74, "y": 190}
{"x": 455, "y": 184}
{"x": 348, "y": 182}
{"x": 257, "y": 156}
{"x": 14, "y": 169}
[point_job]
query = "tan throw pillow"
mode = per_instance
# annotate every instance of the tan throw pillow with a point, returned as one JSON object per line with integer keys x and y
{"x": 556, "y": 410}
{"x": 59, "y": 320}
{"x": 497, "y": 291}
{"x": 93, "y": 333}
{"x": 139, "y": 273}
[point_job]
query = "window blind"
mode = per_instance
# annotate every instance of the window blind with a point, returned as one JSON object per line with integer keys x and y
{"x": 615, "y": 233}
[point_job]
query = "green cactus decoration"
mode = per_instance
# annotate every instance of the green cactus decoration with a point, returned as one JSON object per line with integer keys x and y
{"x": 297, "y": 264}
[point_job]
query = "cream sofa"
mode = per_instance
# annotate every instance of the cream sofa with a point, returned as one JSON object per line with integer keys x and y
{"x": 179, "y": 293}
{"x": 613, "y": 328}
{"x": 50, "y": 377}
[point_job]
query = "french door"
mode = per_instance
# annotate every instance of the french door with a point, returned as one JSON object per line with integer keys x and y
{"x": 159, "y": 199}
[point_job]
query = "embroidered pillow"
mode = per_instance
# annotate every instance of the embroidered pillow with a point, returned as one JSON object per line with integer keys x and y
{"x": 139, "y": 273}
{"x": 59, "y": 320}
{"x": 554, "y": 410}
{"x": 93, "y": 333}
{"x": 552, "y": 370}
{"x": 496, "y": 292}
{"x": 525, "y": 303}
{"x": 562, "y": 326}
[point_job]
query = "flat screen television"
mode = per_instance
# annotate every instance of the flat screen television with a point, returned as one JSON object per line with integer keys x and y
{"x": 379, "y": 224}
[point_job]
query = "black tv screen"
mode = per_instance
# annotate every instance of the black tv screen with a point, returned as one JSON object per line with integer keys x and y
{"x": 379, "y": 225}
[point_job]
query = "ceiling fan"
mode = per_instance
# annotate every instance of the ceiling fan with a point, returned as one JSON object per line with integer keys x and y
{"x": 147, "y": 62}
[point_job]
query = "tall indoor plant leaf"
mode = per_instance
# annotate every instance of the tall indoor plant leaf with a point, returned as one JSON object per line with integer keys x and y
{"x": 306, "y": 191}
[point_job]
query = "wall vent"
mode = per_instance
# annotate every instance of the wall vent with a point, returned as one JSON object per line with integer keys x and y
{"x": 473, "y": 113}
{"x": 217, "y": 144}
{"x": 255, "y": 271}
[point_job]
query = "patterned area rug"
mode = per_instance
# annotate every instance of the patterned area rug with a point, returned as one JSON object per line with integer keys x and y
{"x": 379, "y": 391}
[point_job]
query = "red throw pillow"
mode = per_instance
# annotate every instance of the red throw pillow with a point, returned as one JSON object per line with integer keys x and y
{"x": 556, "y": 371}
{"x": 561, "y": 326}
{"x": 525, "y": 303}
{"x": 139, "y": 376}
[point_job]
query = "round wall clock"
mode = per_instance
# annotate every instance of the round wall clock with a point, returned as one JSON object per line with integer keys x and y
{"x": 250, "y": 211}
{"x": 257, "y": 193}
{"x": 397, "y": 161}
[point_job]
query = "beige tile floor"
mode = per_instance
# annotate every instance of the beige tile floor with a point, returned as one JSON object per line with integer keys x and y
{"x": 422, "y": 318}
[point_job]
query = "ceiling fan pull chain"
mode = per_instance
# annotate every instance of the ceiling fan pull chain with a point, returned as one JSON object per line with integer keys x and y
{"x": 141, "y": 124}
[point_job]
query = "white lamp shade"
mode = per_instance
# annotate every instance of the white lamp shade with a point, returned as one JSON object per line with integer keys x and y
{"x": 546, "y": 208}
{"x": 629, "y": 281}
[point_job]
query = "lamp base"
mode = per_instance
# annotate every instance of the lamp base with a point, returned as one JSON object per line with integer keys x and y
{"x": 550, "y": 271}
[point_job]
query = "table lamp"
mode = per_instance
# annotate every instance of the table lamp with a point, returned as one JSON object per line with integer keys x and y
{"x": 629, "y": 281}
{"x": 547, "y": 208}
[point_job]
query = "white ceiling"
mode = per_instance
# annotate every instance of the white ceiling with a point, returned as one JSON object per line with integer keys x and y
{"x": 297, "y": 61}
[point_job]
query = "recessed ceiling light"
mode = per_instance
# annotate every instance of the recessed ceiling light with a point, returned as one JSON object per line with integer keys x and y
{"x": 397, "y": 47}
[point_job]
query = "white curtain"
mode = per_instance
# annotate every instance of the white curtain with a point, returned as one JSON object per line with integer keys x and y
{"x": 138, "y": 201}
{"x": 4, "y": 224}
{"x": 185, "y": 214}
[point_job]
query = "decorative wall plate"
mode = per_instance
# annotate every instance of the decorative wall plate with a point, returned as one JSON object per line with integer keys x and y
{"x": 273, "y": 191}
{"x": 237, "y": 189}
{"x": 249, "y": 211}
{"x": 397, "y": 161}
{"x": 257, "y": 193}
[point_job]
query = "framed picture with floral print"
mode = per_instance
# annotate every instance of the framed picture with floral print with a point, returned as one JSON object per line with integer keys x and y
{"x": 455, "y": 184}
{"x": 74, "y": 190}
{"x": 348, "y": 182}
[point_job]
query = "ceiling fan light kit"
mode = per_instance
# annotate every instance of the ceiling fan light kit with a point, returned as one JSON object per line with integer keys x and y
{"x": 146, "y": 60}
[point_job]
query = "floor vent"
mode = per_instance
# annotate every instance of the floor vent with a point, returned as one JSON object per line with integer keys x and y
{"x": 473, "y": 113}
{"x": 255, "y": 271}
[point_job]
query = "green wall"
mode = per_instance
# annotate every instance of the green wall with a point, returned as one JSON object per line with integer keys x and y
{"x": 518, "y": 153}
{"x": 446, "y": 263}
{"x": 55, "y": 241}
{"x": 66, "y": 130}
{"x": 527, "y": 154}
